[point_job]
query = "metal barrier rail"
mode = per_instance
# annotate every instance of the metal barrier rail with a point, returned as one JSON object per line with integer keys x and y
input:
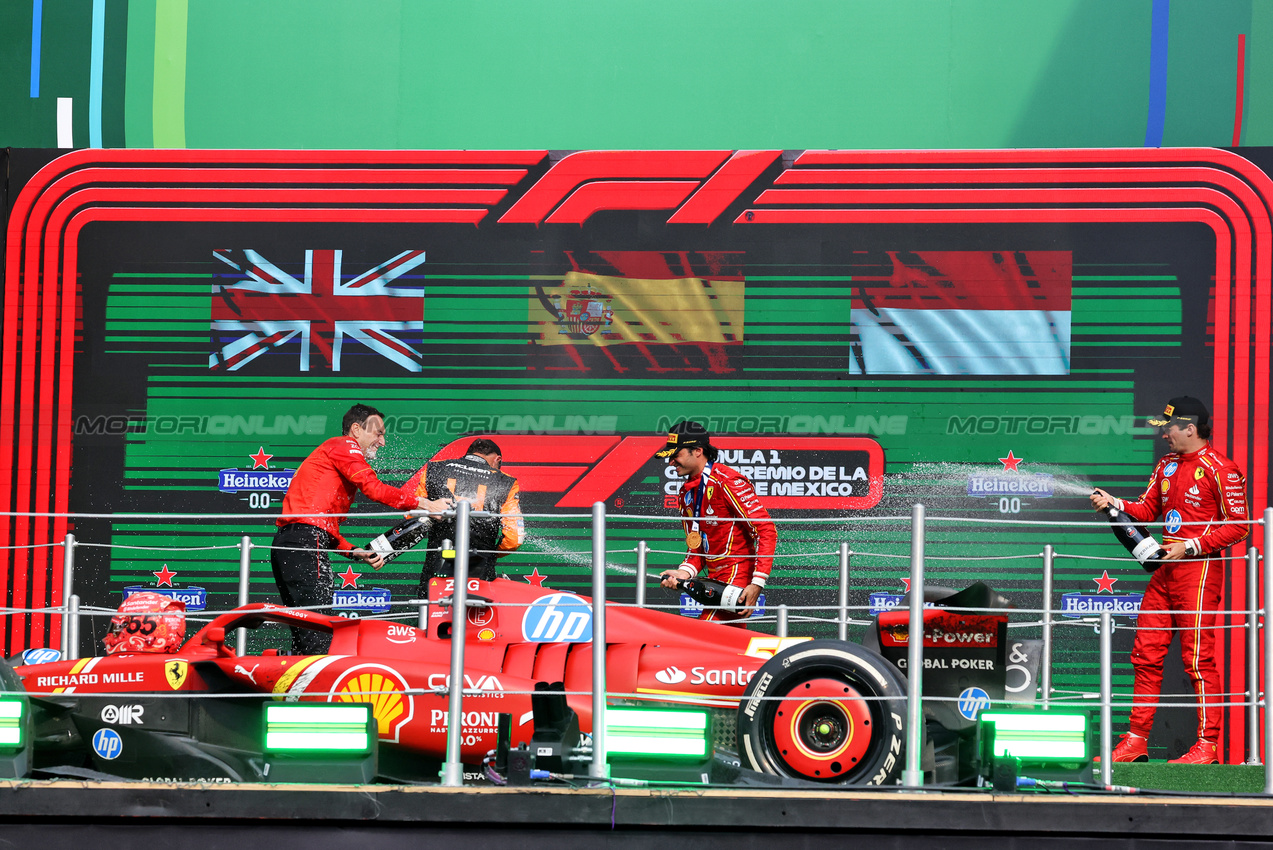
{"x": 912, "y": 775}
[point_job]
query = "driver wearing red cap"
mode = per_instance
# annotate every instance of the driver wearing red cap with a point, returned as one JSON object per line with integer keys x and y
{"x": 727, "y": 530}
{"x": 1194, "y": 489}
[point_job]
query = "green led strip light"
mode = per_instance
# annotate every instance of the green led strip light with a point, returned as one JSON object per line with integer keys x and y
{"x": 306, "y": 728}
{"x": 10, "y": 723}
{"x": 654, "y": 733}
{"x": 1039, "y": 736}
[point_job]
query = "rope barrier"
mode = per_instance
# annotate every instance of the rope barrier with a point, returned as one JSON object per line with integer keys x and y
{"x": 850, "y": 520}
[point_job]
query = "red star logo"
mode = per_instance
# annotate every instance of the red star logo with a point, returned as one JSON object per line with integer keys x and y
{"x": 1105, "y": 584}
{"x": 164, "y": 577}
{"x": 906, "y": 585}
{"x": 1010, "y": 462}
{"x": 348, "y": 578}
{"x": 535, "y": 578}
{"x": 261, "y": 460}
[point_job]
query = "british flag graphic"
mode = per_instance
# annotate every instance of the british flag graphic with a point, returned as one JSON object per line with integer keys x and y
{"x": 269, "y": 308}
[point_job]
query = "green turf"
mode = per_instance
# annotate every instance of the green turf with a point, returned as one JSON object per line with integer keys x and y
{"x": 1207, "y": 778}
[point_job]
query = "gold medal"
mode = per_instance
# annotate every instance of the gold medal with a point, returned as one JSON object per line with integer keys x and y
{"x": 694, "y": 540}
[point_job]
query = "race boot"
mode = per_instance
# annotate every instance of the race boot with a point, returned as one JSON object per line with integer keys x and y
{"x": 1203, "y": 752}
{"x": 1130, "y": 748}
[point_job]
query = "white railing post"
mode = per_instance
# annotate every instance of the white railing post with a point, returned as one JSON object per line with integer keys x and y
{"x": 1107, "y": 696}
{"x": 643, "y": 555}
{"x": 73, "y": 642}
{"x": 1045, "y": 662}
{"x": 842, "y": 630}
{"x": 599, "y": 769}
{"x": 245, "y": 579}
{"x": 780, "y": 627}
{"x": 913, "y": 774}
{"x": 453, "y": 767}
{"x": 68, "y": 587}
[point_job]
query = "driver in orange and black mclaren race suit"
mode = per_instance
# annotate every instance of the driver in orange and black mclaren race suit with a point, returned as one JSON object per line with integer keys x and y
{"x": 319, "y": 495}
{"x": 475, "y": 478}
{"x": 727, "y": 529}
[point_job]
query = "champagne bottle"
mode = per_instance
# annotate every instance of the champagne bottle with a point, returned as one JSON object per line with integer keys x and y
{"x": 400, "y": 538}
{"x": 711, "y": 593}
{"x": 1136, "y": 539}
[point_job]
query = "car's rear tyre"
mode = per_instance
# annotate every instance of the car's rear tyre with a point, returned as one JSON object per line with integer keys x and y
{"x": 826, "y": 711}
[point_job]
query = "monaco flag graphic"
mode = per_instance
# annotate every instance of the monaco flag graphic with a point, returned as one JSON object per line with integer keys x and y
{"x": 269, "y": 308}
{"x": 964, "y": 313}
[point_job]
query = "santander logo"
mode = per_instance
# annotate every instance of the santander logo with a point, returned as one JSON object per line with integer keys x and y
{"x": 670, "y": 676}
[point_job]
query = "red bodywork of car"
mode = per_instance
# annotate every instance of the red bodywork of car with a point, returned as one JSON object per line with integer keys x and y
{"x": 519, "y": 636}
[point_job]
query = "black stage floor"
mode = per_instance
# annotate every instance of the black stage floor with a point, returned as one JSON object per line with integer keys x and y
{"x": 80, "y": 815}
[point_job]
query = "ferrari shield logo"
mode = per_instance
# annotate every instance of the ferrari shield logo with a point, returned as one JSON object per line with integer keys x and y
{"x": 175, "y": 672}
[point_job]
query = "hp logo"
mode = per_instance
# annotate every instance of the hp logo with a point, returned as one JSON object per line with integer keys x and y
{"x": 972, "y": 702}
{"x": 558, "y": 618}
{"x": 107, "y": 744}
{"x": 41, "y": 656}
{"x": 1172, "y": 521}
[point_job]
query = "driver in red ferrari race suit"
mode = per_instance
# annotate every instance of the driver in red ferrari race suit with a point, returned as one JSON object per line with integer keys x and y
{"x": 1194, "y": 488}
{"x": 317, "y": 498}
{"x": 727, "y": 529}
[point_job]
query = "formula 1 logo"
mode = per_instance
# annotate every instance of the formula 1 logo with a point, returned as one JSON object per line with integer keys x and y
{"x": 815, "y": 473}
{"x": 558, "y": 618}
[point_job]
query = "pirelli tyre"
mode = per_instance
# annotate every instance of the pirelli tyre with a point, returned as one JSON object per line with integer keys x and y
{"x": 827, "y": 711}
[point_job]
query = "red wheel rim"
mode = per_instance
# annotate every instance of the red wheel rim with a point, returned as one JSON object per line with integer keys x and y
{"x": 822, "y": 728}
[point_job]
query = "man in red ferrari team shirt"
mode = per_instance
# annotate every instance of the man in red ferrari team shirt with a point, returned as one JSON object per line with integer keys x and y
{"x": 727, "y": 530}
{"x": 317, "y": 498}
{"x": 1194, "y": 489}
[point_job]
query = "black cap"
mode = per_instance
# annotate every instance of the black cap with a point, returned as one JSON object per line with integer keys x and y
{"x": 1182, "y": 410}
{"x": 685, "y": 435}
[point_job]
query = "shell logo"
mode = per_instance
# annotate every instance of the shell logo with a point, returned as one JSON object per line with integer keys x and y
{"x": 385, "y": 689}
{"x": 486, "y": 634}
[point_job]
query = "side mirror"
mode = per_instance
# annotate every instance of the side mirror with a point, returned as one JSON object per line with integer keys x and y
{"x": 216, "y": 636}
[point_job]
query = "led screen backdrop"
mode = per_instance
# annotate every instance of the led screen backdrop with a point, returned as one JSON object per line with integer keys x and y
{"x": 982, "y": 332}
